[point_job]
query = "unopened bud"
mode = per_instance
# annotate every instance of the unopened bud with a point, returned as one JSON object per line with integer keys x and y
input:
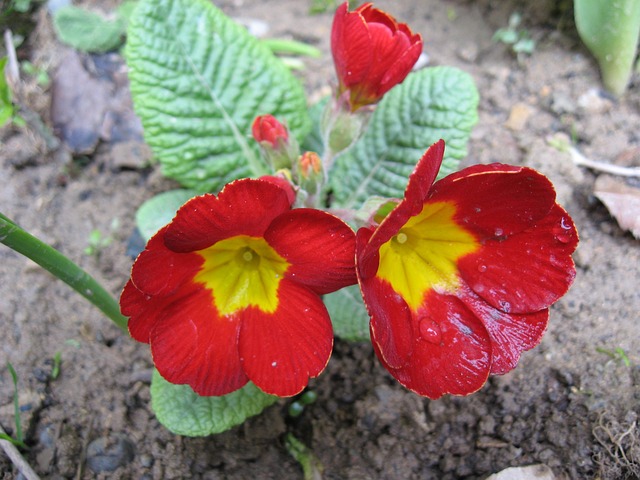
{"x": 308, "y": 172}
{"x": 268, "y": 130}
{"x": 279, "y": 149}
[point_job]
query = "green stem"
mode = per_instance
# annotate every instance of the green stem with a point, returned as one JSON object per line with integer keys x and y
{"x": 61, "y": 267}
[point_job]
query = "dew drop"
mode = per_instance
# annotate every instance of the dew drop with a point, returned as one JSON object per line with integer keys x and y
{"x": 273, "y": 364}
{"x": 401, "y": 238}
{"x": 482, "y": 268}
{"x": 504, "y": 306}
{"x": 563, "y": 238}
{"x": 430, "y": 331}
{"x": 498, "y": 232}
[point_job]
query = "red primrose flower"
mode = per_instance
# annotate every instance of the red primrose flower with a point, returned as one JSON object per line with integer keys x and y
{"x": 459, "y": 276}
{"x": 229, "y": 291}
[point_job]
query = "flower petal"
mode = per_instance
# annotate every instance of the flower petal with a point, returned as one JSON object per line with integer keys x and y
{"x": 159, "y": 271}
{"x": 281, "y": 351}
{"x": 528, "y": 271}
{"x": 350, "y": 46}
{"x": 319, "y": 247}
{"x": 511, "y": 334}
{"x": 191, "y": 344}
{"x": 398, "y": 70}
{"x": 142, "y": 310}
{"x": 451, "y": 350}
{"x": 243, "y": 207}
{"x": 494, "y": 201}
{"x": 391, "y": 322}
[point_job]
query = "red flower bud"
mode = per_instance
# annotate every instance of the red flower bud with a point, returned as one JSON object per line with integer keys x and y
{"x": 267, "y": 129}
{"x": 372, "y": 53}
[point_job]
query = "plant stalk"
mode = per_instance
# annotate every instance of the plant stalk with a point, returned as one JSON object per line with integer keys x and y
{"x": 61, "y": 267}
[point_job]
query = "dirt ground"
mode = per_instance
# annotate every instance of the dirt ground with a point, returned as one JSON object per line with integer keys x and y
{"x": 571, "y": 404}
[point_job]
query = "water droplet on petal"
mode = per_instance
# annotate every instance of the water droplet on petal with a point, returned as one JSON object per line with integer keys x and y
{"x": 504, "y": 306}
{"x": 273, "y": 364}
{"x": 498, "y": 232}
{"x": 430, "y": 331}
{"x": 482, "y": 268}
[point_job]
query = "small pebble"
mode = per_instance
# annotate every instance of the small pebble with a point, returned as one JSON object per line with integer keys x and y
{"x": 105, "y": 454}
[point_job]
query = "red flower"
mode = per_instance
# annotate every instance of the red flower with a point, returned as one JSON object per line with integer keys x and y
{"x": 372, "y": 53}
{"x": 229, "y": 291}
{"x": 267, "y": 129}
{"x": 459, "y": 276}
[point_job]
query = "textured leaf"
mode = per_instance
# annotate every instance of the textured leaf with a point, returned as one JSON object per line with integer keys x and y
{"x": 348, "y": 314}
{"x": 434, "y": 103}
{"x": 158, "y": 211}
{"x": 87, "y": 31}
{"x": 184, "y": 412}
{"x": 198, "y": 80}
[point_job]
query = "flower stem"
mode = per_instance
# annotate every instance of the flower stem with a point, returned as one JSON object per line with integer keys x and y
{"x": 61, "y": 267}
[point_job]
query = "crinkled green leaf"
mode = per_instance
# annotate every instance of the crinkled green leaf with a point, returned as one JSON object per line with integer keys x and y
{"x": 184, "y": 412}
{"x": 434, "y": 103}
{"x": 348, "y": 314}
{"x": 87, "y": 31}
{"x": 158, "y": 211}
{"x": 198, "y": 80}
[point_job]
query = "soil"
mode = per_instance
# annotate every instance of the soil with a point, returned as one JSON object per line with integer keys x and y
{"x": 572, "y": 403}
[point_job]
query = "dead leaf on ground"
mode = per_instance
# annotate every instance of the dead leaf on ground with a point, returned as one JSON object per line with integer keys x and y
{"x": 622, "y": 201}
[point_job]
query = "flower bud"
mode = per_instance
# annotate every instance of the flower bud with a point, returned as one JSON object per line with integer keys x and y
{"x": 372, "y": 53}
{"x": 279, "y": 149}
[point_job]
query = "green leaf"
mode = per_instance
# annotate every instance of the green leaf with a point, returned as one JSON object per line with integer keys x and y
{"x": 348, "y": 314}
{"x": 184, "y": 412}
{"x": 434, "y": 103}
{"x": 158, "y": 211}
{"x": 198, "y": 80}
{"x": 87, "y": 31}
{"x": 611, "y": 31}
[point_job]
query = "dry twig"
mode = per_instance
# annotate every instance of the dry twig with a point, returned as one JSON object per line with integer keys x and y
{"x": 17, "y": 459}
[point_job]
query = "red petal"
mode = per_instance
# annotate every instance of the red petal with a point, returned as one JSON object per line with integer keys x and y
{"x": 388, "y": 45}
{"x": 142, "y": 309}
{"x": 496, "y": 200}
{"x": 191, "y": 344}
{"x": 528, "y": 271}
{"x": 319, "y": 247}
{"x": 391, "y": 322}
{"x": 451, "y": 350}
{"x": 398, "y": 70}
{"x": 159, "y": 271}
{"x": 510, "y": 334}
{"x": 281, "y": 351}
{"x": 243, "y": 207}
{"x": 350, "y": 46}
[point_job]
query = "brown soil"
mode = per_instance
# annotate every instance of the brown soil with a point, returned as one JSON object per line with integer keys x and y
{"x": 569, "y": 404}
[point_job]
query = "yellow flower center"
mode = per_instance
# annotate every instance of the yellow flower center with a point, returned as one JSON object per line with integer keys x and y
{"x": 423, "y": 255}
{"x": 242, "y": 271}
